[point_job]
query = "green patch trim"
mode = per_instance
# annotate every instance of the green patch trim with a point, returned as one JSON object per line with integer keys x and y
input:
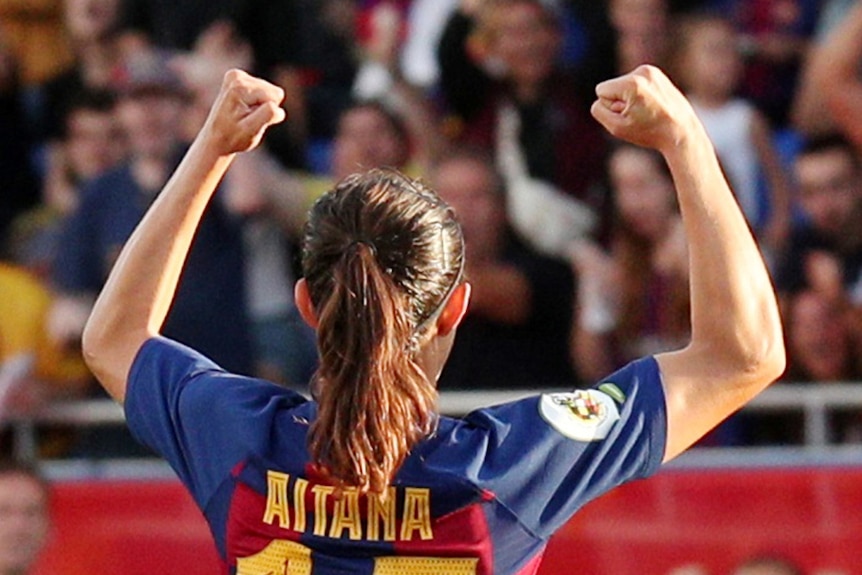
{"x": 612, "y": 390}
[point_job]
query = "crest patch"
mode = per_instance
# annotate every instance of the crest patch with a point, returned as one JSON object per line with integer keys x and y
{"x": 582, "y": 415}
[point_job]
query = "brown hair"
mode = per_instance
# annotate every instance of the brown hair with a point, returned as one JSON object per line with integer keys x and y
{"x": 381, "y": 254}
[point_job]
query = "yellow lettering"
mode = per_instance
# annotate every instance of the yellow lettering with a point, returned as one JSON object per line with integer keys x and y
{"x": 417, "y": 514}
{"x": 425, "y": 566}
{"x": 381, "y": 509}
{"x": 276, "y": 499}
{"x": 345, "y": 515}
{"x": 321, "y": 494}
{"x": 378, "y": 524}
{"x": 280, "y": 557}
{"x": 291, "y": 558}
{"x": 299, "y": 489}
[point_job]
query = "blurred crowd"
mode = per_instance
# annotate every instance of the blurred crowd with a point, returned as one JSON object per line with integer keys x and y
{"x": 576, "y": 250}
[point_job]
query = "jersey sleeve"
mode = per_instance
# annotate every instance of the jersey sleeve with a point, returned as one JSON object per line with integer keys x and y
{"x": 201, "y": 419}
{"x": 544, "y": 457}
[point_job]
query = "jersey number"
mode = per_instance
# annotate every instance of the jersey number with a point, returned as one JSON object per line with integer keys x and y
{"x": 290, "y": 558}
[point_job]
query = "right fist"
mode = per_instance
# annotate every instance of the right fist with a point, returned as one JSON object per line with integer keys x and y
{"x": 644, "y": 108}
{"x": 244, "y": 108}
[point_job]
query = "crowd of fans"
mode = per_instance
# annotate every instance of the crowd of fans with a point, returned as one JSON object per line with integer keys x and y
{"x": 575, "y": 247}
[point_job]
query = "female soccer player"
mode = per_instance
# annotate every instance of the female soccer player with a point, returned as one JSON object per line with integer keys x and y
{"x": 367, "y": 479}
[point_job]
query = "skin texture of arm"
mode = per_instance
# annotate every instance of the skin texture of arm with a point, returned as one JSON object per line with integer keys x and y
{"x": 736, "y": 347}
{"x": 137, "y": 296}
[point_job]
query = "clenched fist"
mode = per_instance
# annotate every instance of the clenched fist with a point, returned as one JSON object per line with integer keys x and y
{"x": 244, "y": 108}
{"x": 645, "y": 108}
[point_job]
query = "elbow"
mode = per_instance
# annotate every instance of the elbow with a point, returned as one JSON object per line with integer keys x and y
{"x": 93, "y": 347}
{"x": 109, "y": 354}
{"x": 771, "y": 364}
{"x": 763, "y": 359}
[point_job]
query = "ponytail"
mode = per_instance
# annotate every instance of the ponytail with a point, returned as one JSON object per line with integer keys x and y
{"x": 381, "y": 255}
{"x": 378, "y": 401}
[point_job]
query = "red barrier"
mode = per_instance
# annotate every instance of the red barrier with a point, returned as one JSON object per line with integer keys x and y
{"x": 714, "y": 518}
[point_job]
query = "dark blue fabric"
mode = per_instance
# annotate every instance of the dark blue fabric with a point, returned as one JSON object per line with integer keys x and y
{"x": 209, "y": 310}
{"x": 218, "y": 430}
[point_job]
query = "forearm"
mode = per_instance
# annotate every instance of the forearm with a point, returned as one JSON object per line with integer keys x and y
{"x": 737, "y": 347}
{"x": 138, "y": 294}
{"x": 734, "y": 312}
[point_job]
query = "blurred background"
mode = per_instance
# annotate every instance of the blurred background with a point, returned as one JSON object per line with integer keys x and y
{"x": 575, "y": 245}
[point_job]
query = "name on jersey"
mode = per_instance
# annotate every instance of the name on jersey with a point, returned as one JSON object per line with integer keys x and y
{"x": 403, "y": 514}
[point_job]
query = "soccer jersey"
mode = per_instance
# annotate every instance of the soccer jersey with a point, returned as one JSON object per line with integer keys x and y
{"x": 481, "y": 496}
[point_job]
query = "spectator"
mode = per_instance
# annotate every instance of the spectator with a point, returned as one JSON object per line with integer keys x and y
{"x": 33, "y": 370}
{"x": 809, "y": 114}
{"x": 816, "y": 279}
{"x": 632, "y": 298}
{"x": 280, "y": 56}
{"x": 150, "y": 104}
{"x": 92, "y": 28}
{"x": 368, "y": 135}
{"x": 380, "y": 79}
{"x": 822, "y": 342}
{"x": 709, "y": 65}
{"x": 825, "y": 250}
{"x": 501, "y": 61}
{"x": 642, "y": 32}
{"x": 89, "y": 144}
{"x": 833, "y": 81}
{"x": 775, "y": 38}
{"x": 520, "y": 315}
{"x": 24, "y": 517}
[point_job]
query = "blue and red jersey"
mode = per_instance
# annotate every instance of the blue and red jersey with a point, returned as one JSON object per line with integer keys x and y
{"x": 481, "y": 496}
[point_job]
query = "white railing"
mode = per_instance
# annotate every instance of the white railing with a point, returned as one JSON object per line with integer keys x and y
{"x": 815, "y": 403}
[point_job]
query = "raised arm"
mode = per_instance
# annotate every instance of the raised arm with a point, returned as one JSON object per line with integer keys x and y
{"x": 737, "y": 346}
{"x": 137, "y": 296}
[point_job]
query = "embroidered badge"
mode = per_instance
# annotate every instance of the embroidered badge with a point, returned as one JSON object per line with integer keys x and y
{"x": 582, "y": 415}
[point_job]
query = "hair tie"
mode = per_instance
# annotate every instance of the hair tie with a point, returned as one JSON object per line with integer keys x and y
{"x": 362, "y": 242}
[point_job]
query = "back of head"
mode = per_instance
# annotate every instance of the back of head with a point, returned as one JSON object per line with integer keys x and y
{"x": 381, "y": 256}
